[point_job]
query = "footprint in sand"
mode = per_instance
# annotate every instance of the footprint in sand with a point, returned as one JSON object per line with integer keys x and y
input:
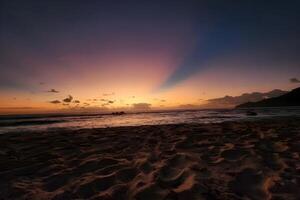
{"x": 233, "y": 154}
{"x": 249, "y": 183}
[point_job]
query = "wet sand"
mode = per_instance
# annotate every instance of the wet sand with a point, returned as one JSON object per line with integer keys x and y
{"x": 232, "y": 160}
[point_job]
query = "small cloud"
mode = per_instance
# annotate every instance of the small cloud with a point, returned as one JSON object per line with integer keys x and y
{"x": 68, "y": 99}
{"x": 53, "y": 91}
{"x": 108, "y": 94}
{"x": 86, "y": 104}
{"x": 76, "y": 101}
{"x": 160, "y": 100}
{"x": 187, "y": 106}
{"x": 107, "y": 101}
{"x": 141, "y": 106}
{"x": 41, "y": 83}
{"x": 55, "y": 102}
{"x": 65, "y": 104}
{"x": 294, "y": 80}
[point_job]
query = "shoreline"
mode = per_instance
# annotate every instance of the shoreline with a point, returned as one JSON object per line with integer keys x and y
{"x": 256, "y": 159}
{"x": 37, "y": 123}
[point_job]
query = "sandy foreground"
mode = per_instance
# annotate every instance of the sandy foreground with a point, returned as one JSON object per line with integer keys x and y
{"x": 232, "y": 160}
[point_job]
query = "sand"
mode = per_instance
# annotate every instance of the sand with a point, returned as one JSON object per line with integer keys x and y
{"x": 232, "y": 160}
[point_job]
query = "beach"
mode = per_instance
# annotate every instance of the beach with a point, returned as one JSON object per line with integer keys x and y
{"x": 251, "y": 159}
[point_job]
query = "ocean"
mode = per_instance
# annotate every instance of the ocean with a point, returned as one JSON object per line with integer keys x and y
{"x": 37, "y": 123}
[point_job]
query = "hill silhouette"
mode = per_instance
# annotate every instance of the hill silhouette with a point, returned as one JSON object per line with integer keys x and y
{"x": 232, "y": 101}
{"x": 291, "y": 98}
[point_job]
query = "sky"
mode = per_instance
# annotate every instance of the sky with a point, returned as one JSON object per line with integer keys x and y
{"x": 63, "y": 55}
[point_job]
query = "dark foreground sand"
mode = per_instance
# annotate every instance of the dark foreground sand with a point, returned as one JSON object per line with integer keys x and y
{"x": 233, "y": 160}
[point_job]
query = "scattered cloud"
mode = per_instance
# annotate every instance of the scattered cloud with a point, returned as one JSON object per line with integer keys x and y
{"x": 107, "y": 101}
{"x": 187, "y": 106}
{"x": 53, "y": 91}
{"x": 160, "y": 100}
{"x": 294, "y": 80}
{"x": 76, "y": 101}
{"x": 141, "y": 106}
{"x": 108, "y": 94}
{"x": 55, "y": 102}
{"x": 92, "y": 99}
{"x": 68, "y": 99}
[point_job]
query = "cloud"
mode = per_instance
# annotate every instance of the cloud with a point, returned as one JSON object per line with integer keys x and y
{"x": 92, "y": 99}
{"x": 294, "y": 80}
{"x": 108, "y": 94}
{"x": 55, "y": 102}
{"x": 53, "y": 91}
{"x": 108, "y": 101}
{"x": 160, "y": 100}
{"x": 141, "y": 106}
{"x": 187, "y": 106}
{"x": 76, "y": 101}
{"x": 68, "y": 99}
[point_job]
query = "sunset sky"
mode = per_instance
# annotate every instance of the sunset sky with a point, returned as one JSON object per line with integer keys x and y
{"x": 100, "y": 55}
